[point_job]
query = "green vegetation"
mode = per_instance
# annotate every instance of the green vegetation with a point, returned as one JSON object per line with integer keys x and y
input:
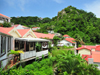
{"x": 59, "y": 62}
{"x": 71, "y": 21}
{"x": 5, "y": 24}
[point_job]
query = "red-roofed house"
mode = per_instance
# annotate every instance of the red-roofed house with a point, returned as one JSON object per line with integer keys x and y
{"x": 85, "y": 49}
{"x": 35, "y": 28}
{"x": 67, "y": 42}
{"x": 66, "y": 36}
{"x": 4, "y": 18}
{"x": 93, "y": 58}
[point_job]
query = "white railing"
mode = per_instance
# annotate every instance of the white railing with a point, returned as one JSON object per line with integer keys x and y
{"x": 28, "y": 54}
{"x": 38, "y": 54}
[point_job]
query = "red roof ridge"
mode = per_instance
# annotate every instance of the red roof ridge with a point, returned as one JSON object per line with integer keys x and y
{"x": 4, "y": 16}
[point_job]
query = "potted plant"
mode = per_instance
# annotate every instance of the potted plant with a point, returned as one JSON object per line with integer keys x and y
{"x": 15, "y": 53}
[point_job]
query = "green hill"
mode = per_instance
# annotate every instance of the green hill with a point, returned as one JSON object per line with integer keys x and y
{"x": 72, "y": 21}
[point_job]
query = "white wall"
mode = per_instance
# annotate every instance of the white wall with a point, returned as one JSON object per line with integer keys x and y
{"x": 64, "y": 42}
{"x": 1, "y": 21}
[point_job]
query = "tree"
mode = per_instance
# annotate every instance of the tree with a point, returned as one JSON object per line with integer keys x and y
{"x": 55, "y": 39}
{"x": 5, "y": 24}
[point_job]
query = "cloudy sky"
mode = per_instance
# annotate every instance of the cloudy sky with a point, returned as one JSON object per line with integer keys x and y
{"x": 45, "y": 8}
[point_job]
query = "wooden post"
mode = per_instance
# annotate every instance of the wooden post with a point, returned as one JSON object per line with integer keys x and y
{"x": 25, "y": 46}
{"x": 19, "y": 45}
{"x": 41, "y": 46}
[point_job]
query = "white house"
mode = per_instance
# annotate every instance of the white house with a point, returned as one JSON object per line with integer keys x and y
{"x": 35, "y": 28}
{"x": 4, "y": 18}
{"x": 67, "y": 42}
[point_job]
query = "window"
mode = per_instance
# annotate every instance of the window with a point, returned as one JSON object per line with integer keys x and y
{"x": 3, "y": 45}
{"x": 21, "y": 45}
{"x": 31, "y": 46}
{"x": 9, "y": 43}
{"x": 16, "y": 45}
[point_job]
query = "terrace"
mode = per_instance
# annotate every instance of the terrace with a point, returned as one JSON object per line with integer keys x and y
{"x": 31, "y": 51}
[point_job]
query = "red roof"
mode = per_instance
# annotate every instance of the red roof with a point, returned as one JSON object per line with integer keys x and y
{"x": 88, "y": 47}
{"x": 70, "y": 40}
{"x": 95, "y": 56}
{"x": 23, "y": 31}
{"x": 4, "y": 15}
{"x": 83, "y": 47}
{"x": 66, "y": 35}
{"x": 2, "y": 30}
{"x": 97, "y": 48}
{"x": 41, "y": 35}
{"x": 8, "y": 29}
{"x": 86, "y": 57}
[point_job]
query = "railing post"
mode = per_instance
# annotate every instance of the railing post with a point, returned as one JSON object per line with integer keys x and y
{"x": 0, "y": 63}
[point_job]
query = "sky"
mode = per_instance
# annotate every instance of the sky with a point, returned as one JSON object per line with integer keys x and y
{"x": 45, "y": 8}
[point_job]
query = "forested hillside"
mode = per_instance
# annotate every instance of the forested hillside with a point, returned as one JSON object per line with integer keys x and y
{"x": 69, "y": 21}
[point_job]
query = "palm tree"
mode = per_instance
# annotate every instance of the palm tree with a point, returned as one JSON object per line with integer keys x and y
{"x": 78, "y": 40}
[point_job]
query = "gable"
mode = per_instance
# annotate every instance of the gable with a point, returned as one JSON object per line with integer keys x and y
{"x": 14, "y": 33}
{"x": 29, "y": 34}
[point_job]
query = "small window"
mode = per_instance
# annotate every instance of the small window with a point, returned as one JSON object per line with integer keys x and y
{"x": 3, "y": 45}
{"x": 9, "y": 43}
{"x": 31, "y": 46}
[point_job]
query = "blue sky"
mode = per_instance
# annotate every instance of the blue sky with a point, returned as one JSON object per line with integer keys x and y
{"x": 45, "y": 8}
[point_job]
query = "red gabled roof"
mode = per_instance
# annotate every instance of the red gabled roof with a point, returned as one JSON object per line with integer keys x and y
{"x": 4, "y": 15}
{"x": 83, "y": 47}
{"x": 8, "y": 29}
{"x": 86, "y": 57}
{"x": 66, "y": 35}
{"x": 95, "y": 56}
{"x": 23, "y": 31}
{"x": 97, "y": 48}
{"x": 41, "y": 35}
{"x": 2, "y": 30}
{"x": 70, "y": 40}
{"x": 88, "y": 47}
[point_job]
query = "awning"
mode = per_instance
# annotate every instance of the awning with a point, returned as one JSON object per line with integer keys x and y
{"x": 32, "y": 39}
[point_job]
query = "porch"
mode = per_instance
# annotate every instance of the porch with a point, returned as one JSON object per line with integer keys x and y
{"x": 30, "y": 48}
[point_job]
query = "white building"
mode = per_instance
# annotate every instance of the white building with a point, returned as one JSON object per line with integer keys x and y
{"x": 4, "y": 18}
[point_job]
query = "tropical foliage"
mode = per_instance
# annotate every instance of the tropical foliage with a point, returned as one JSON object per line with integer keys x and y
{"x": 59, "y": 62}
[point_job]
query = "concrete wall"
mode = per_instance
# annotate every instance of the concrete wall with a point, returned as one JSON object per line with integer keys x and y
{"x": 38, "y": 54}
{"x": 28, "y": 54}
{"x": 84, "y": 51}
{"x": 93, "y": 49}
{"x": 1, "y": 21}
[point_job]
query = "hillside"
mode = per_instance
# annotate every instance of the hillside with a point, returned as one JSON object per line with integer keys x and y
{"x": 73, "y": 21}
{"x": 69, "y": 21}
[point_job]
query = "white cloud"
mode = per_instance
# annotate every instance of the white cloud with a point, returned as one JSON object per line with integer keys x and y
{"x": 20, "y": 3}
{"x": 94, "y": 7}
{"x": 58, "y": 1}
